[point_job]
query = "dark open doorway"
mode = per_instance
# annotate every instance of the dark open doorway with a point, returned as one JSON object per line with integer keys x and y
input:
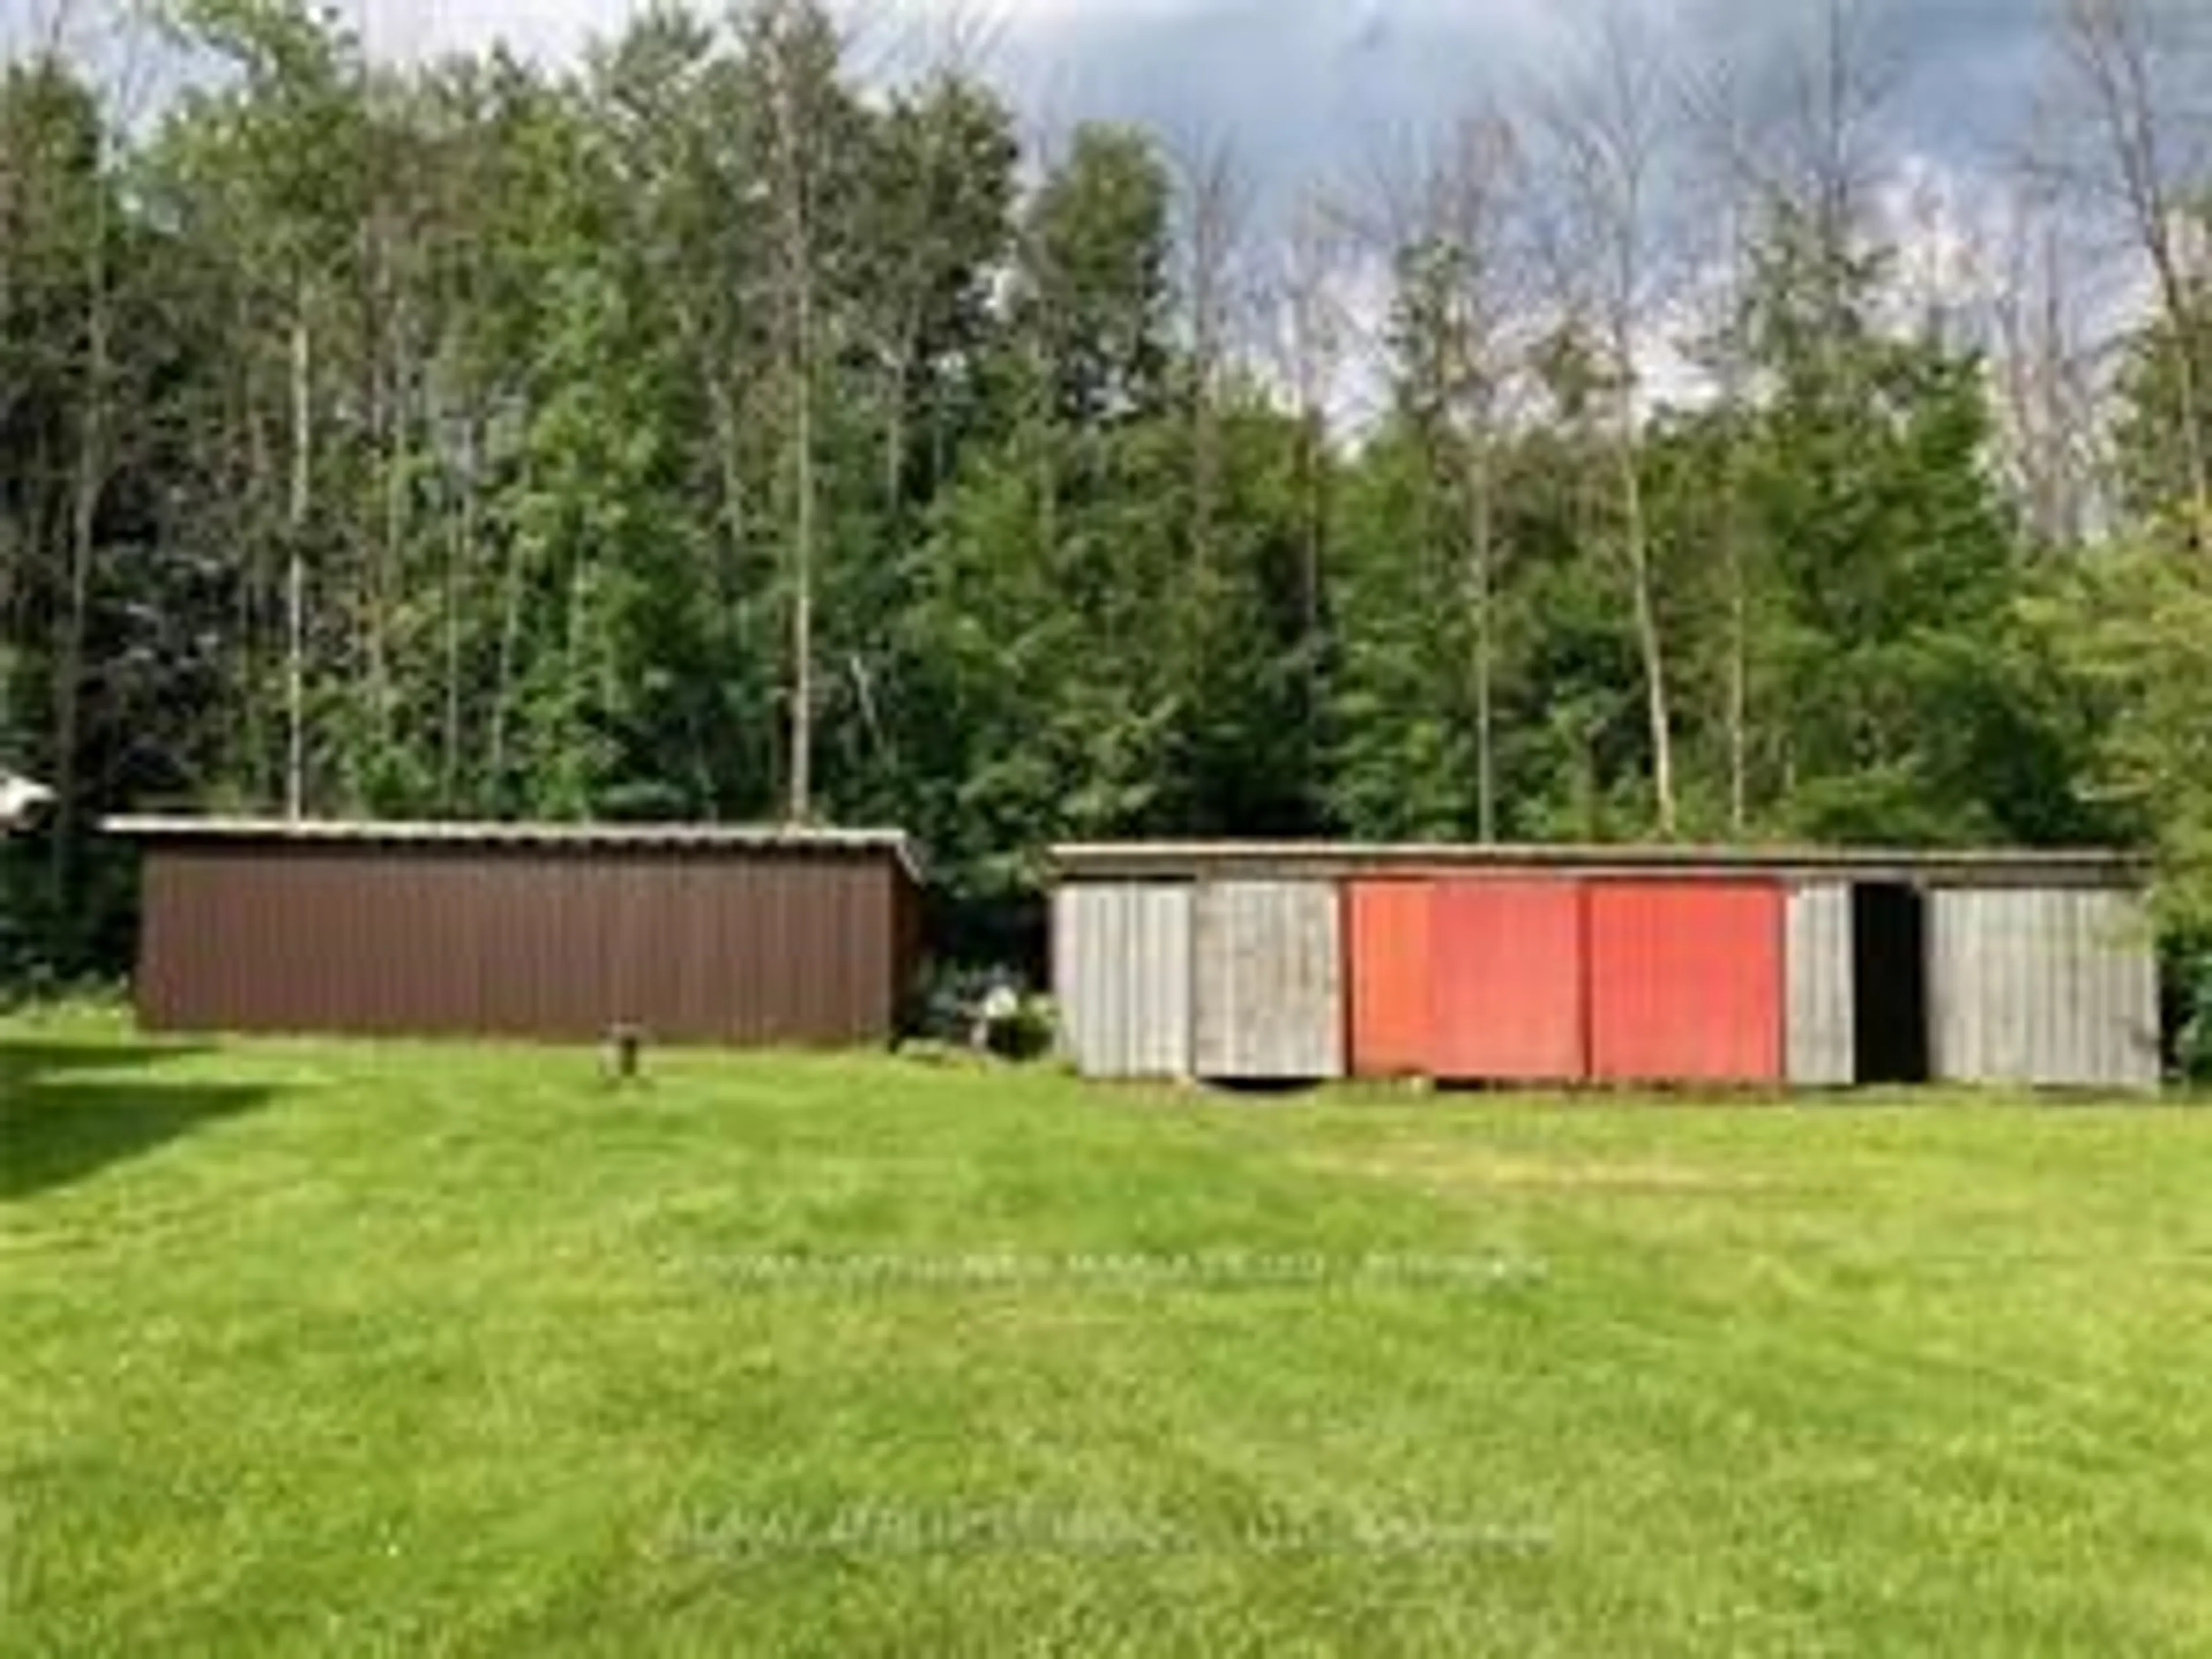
{"x": 1889, "y": 970}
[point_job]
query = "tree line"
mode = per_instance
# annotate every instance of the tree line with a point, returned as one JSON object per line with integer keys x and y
{"x": 722, "y": 428}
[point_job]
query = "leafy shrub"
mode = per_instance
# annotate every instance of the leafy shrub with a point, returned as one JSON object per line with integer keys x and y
{"x": 958, "y": 1003}
{"x": 2195, "y": 1051}
{"x": 1030, "y": 1032}
{"x": 945, "y": 1004}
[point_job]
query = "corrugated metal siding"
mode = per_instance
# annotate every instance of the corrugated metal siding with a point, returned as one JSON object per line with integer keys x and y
{"x": 1392, "y": 1011}
{"x": 1510, "y": 985}
{"x": 706, "y": 945}
{"x": 542, "y": 962}
{"x": 1687, "y": 981}
{"x": 1270, "y": 982}
{"x": 1121, "y": 970}
{"x": 2054, "y": 989}
{"x": 1823, "y": 1035}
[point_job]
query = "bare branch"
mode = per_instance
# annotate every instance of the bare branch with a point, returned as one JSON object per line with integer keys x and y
{"x": 2130, "y": 137}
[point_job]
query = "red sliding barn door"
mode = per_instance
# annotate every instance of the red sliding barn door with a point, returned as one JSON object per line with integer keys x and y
{"x": 1508, "y": 988}
{"x": 1687, "y": 981}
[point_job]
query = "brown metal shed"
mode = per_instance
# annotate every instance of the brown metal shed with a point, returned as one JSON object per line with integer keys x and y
{"x": 698, "y": 936}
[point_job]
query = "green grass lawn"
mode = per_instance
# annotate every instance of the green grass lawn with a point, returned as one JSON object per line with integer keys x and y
{"x": 355, "y": 1350}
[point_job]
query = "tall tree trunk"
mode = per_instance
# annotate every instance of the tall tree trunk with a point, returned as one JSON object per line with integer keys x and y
{"x": 1738, "y": 612}
{"x": 1482, "y": 551}
{"x": 1312, "y": 464}
{"x": 2116, "y": 48}
{"x": 88, "y": 483}
{"x": 800, "y": 808}
{"x": 515, "y": 580}
{"x": 295, "y": 578}
{"x": 502, "y": 693}
{"x": 387, "y": 578}
{"x": 1612, "y": 139}
{"x": 729, "y": 570}
{"x": 1738, "y": 674}
{"x": 2187, "y": 321}
{"x": 1635, "y": 531}
{"x": 897, "y": 441}
{"x": 459, "y": 560}
{"x": 794, "y": 183}
{"x": 730, "y": 463}
{"x": 88, "y": 486}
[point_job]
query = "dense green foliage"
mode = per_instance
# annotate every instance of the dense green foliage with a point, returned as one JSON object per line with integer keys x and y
{"x": 313, "y": 1348}
{"x": 701, "y": 433}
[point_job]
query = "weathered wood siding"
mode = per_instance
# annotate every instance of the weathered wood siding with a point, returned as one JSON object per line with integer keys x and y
{"x": 1270, "y": 985}
{"x": 1120, "y": 972}
{"x": 2052, "y": 989}
{"x": 1823, "y": 1037}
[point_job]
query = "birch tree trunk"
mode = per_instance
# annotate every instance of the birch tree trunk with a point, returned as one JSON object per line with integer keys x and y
{"x": 296, "y": 574}
{"x": 88, "y": 484}
{"x": 1611, "y": 140}
{"x": 2115, "y": 51}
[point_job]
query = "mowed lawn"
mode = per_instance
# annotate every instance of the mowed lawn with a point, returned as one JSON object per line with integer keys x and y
{"x": 415, "y": 1350}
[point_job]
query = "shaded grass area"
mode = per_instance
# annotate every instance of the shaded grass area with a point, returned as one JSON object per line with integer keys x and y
{"x": 320, "y": 1348}
{"x": 68, "y": 1110}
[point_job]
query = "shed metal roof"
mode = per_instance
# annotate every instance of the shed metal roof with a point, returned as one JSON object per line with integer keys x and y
{"x": 672, "y": 837}
{"x": 1191, "y": 860}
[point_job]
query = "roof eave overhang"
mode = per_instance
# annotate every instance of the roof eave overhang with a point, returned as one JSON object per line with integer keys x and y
{"x": 694, "y": 838}
{"x": 1197, "y": 861}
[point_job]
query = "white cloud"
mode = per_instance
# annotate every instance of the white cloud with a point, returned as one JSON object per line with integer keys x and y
{"x": 556, "y": 29}
{"x": 1303, "y": 88}
{"x": 410, "y": 29}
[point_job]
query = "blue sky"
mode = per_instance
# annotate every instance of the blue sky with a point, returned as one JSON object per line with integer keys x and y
{"x": 1308, "y": 86}
{"x": 1322, "y": 91}
{"x": 1314, "y": 89}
